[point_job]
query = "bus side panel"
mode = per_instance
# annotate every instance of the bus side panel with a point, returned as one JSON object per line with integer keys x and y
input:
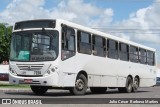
{"x": 96, "y": 81}
{"x": 147, "y": 82}
{"x": 105, "y": 72}
{"x": 69, "y": 73}
{"x": 102, "y": 70}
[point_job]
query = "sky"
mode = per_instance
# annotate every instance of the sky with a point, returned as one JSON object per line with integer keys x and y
{"x": 135, "y": 20}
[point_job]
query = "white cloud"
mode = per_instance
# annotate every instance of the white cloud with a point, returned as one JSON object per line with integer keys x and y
{"x": 143, "y": 23}
{"x": 73, "y": 10}
{"x": 22, "y": 10}
{"x": 83, "y": 13}
{"x": 88, "y": 14}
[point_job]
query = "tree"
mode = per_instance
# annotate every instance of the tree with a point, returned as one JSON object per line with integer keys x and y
{"x": 5, "y": 40}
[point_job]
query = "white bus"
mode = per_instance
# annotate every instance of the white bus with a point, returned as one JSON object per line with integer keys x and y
{"x": 48, "y": 54}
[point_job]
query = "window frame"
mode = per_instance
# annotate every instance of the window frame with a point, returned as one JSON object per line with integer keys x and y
{"x": 63, "y": 40}
{"x": 102, "y": 46}
{"x": 79, "y": 34}
{"x": 123, "y": 52}
{"x": 134, "y": 54}
{"x": 111, "y": 49}
{"x": 141, "y": 56}
{"x": 153, "y": 58}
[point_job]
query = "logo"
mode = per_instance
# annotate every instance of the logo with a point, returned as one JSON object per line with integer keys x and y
{"x": 29, "y": 68}
{"x": 6, "y": 101}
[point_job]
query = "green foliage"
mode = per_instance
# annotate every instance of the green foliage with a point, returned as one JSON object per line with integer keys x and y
{"x": 5, "y": 42}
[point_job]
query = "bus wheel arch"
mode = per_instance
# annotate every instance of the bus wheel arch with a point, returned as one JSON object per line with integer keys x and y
{"x": 81, "y": 84}
{"x": 84, "y": 73}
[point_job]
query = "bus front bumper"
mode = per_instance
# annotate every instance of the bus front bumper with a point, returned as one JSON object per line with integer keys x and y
{"x": 50, "y": 80}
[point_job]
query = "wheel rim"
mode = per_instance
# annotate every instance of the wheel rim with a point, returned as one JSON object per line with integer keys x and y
{"x": 79, "y": 84}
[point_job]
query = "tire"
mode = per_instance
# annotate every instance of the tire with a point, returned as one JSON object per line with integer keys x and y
{"x": 135, "y": 84}
{"x": 128, "y": 87}
{"x": 98, "y": 90}
{"x": 39, "y": 90}
{"x": 81, "y": 85}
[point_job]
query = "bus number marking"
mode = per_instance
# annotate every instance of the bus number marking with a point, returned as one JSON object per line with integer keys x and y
{"x": 37, "y": 72}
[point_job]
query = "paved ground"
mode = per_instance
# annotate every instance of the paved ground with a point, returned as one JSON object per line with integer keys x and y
{"x": 151, "y": 92}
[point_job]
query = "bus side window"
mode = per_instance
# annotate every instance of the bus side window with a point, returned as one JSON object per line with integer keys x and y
{"x": 123, "y": 52}
{"x": 112, "y": 49}
{"x": 150, "y": 58}
{"x": 68, "y": 42}
{"x": 84, "y": 42}
{"x": 142, "y": 56}
{"x": 133, "y": 54}
{"x": 99, "y": 46}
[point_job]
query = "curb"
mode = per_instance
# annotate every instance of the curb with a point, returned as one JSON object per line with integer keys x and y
{"x": 4, "y": 82}
{"x": 15, "y": 90}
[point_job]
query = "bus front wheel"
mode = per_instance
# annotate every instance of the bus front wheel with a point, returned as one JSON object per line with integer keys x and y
{"x": 39, "y": 90}
{"x": 80, "y": 85}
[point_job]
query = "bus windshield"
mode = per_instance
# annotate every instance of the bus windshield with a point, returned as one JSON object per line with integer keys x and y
{"x": 34, "y": 45}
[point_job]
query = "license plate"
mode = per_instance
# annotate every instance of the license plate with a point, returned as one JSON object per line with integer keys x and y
{"x": 27, "y": 80}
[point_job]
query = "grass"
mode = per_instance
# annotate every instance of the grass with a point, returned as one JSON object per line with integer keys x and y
{"x": 13, "y": 86}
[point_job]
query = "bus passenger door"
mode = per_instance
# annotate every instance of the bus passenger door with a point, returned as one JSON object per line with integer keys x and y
{"x": 67, "y": 55}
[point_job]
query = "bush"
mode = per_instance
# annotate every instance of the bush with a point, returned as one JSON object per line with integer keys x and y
{"x": 5, "y": 40}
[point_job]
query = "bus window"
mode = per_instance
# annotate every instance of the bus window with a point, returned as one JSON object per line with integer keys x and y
{"x": 84, "y": 42}
{"x": 68, "y": 42}
{"x": 99, "y": 46}
{"x": 142, "y": 56}
{"x": 123, "y": 51}
{"x": 133, "y": 55}
{"x": 112, "y": 49}
{"x": 150, "y": 58}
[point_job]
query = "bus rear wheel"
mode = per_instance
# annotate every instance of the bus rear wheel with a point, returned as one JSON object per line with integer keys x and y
{"x": 135, "y": 84}
{"x": 128, "y": 87}
{"x": 39, "y": 90}
{"x": 98, "y": 90}
{"x": 80, "y": 85}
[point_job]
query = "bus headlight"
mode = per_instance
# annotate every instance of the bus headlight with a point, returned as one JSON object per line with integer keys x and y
{"x": 51, "y": 70}
{"x": 12, "y": 71}
{"x": 48, "y": 72}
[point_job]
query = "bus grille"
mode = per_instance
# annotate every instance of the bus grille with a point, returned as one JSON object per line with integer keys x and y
{"x": 30, "y": 67}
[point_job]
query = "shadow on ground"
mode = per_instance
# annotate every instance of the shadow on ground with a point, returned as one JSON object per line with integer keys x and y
{"x": 50, "y": 93}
